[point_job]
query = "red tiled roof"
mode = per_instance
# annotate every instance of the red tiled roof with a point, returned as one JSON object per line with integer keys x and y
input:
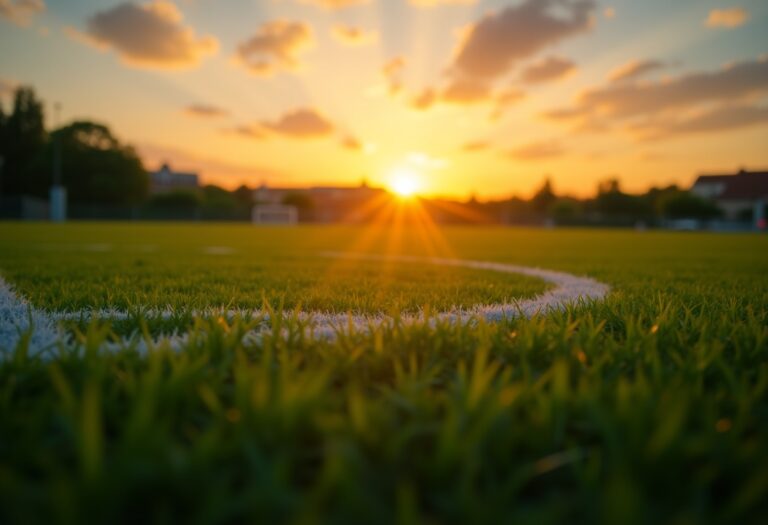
{"x": 744, "y": 185}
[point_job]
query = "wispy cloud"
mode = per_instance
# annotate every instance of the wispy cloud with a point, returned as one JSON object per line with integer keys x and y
{"x": 333, "y": 5}
{"x": 500, "y": 40}
{"x": 536, "y": 151}
{"x": 547, "y": 70}
{"x": 728, "y": 18}
{"x": 276, "y": 46}
{"x": 303, "y": 123}
{"x": 654, "y": 102}
{"x": 150, "y": 35}
{"x": 353, "y": 36}
{"x": 21, "y": 12}
{"x": 205, "y": 111}
{"x": 635, "y": 69}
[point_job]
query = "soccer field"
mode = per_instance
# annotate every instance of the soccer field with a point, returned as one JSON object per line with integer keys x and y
{"x": 188, "y": 381}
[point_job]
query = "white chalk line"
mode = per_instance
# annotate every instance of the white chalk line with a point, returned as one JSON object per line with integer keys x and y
{"x": 18, "y": 317}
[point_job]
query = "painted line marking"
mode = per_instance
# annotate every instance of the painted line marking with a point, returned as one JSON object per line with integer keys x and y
{"x": 17, "y": 315}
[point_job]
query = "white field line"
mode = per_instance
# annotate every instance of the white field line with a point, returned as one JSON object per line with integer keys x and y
{"x": 569, "y": 289}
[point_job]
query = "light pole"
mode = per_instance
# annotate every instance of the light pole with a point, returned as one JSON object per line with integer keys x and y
{"x": 58, "y": 191}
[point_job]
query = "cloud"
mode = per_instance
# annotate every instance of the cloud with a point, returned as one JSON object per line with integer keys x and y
{"x": 304, "y": 123}
{"x": 275, "y": 46}
{"x": 635, "y": 69}
{"x": 393, "y": 71}
{"x": 435, "y": 3}
{"x": 205, "y": 111}
{"x": 724, "y": 118}
{"x": 622, "y": 101}
{"x": 351, "y": 143}
{"x": 609, "y": 13}
{"x": 698, "y": 100}
{"x": 728, "y": 18}
{"x": 249, "y": 132}
{"x": 149, "y": 35}
{"x": 548, "y": 69}
{"x": 425, "y": 100}
{"x": 536, "y": 151}
{"x": 354, "y": 36}
{"x": 333, "y": 5}
{"x": 464, "y": 91}
{"x": 500, "y": 40}
{"x": 21, "y": 12}
{"x": 504, "y": 99}
{"x": 475, "y": 146}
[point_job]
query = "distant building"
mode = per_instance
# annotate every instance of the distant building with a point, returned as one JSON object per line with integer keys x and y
{"x": 165, "y": 180}
{"x": 275, "y": 214}
{"x": 743, "y": 195}
{"x": 326, "y": 204}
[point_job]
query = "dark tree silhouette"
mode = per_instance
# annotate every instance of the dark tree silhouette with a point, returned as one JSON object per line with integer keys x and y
{"x": 23, "y": 141}
{"x": 544, "y": 198}
{"x": 96, "y": 167}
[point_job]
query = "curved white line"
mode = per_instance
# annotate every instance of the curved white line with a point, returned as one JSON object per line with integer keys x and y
{"x": 569, "y": 289}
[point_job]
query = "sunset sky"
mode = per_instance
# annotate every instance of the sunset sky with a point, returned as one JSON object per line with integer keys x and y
{"x": 481, "y": 97}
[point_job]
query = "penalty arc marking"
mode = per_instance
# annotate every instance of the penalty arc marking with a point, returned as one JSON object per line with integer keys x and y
{"x": 18, "y": 318}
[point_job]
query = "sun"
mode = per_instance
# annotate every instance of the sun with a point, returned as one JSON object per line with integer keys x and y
{"x": 404, "y": 182}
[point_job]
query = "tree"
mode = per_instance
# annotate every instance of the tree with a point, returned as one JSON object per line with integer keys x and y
{"x": 216, "y": 198}
{"x": 179, "y": 200}
{"x": 685, "y": 205}
{"x": 96, "y": 167}
{"x": 612, "y": 202}
{"x": 23, "y": 141}
{"x": 544, "y": 198}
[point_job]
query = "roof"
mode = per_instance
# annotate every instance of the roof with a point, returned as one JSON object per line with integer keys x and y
{"x": 744, "y": 185}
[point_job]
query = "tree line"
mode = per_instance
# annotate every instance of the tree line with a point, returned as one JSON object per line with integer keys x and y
{"x": 96, "y": 168}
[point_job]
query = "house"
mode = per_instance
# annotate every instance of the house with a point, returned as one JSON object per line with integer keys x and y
{"x": 165, "y": 180}
{"x": 742, "y": 196}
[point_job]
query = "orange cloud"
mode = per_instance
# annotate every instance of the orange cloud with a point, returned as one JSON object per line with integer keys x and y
{"x": 500, "y": 40}
{"x": 678, "y": 104}
{"x": 722, "y": 118}
{"x": 393, "y": 71}
{"x": 304, "y": 123}
{"x": 536, "y": 151}
{"x": 354, "y": 36}
{"x": 205, "y": 111}
{"x": 475, "y": 146}
{"x": 21, "y": 12}
{"x": 435, "y": 3}
{"x": 464, "y": 91}
{"x": 351, "y": 143}
{"x": 334, "y": 4}
{"x": 728, "y": 18}
{"x": 546, "y": 70}
{"x": 149, "y": 35}
{"x": 635, "y": 69}
{"x": 276, "y": 46}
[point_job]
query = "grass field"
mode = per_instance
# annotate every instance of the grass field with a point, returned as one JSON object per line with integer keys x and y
{"x": 648, "y": 407}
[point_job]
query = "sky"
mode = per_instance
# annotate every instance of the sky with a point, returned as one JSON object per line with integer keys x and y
{"x": 459, "y": 97}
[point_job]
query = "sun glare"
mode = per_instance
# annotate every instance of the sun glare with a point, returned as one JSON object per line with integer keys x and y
{"x": 404, "y": 183}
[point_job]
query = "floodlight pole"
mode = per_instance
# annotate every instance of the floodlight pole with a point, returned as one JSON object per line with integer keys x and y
{"x": 58, "y": 192}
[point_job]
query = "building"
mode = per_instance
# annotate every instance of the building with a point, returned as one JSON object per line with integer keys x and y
{"x": 742, "y": 196}
{"x": 326, "y": 204}
{"x": 165, "y": 180}
{"x": 275, "y": 214}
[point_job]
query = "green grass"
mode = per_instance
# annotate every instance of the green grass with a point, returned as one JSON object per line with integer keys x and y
{"x": 649, "y": 407}
{"x": 191, "y": 268}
